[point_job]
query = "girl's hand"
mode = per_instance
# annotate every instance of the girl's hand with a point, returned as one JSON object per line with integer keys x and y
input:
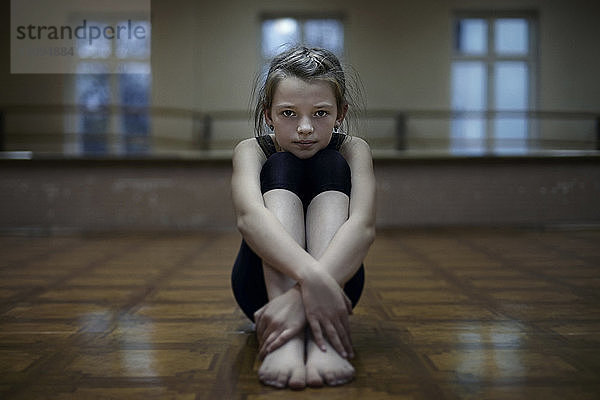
{"x": 279, "y": 320}
{"x": 327, "y": 308}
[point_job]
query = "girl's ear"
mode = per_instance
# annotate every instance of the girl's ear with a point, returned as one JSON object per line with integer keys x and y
{"x": 341, "y": 115}
{"x": 268, "y": 119}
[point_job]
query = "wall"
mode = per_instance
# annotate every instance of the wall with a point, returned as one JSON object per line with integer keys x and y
{"x": 75, "y": 195}
{"x": 205, "y": 56}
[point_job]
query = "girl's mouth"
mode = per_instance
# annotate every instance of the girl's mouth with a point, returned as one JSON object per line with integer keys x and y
{"x": 305, "y": 143}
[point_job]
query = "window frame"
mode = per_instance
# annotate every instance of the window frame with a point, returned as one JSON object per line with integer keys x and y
{"x": 116, "y": 135}
{"x": 489, "y": 59}
{"x": 301, "y": 18}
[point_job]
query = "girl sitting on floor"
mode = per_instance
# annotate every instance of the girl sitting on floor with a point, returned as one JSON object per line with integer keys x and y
{"x": 304, "y": 196}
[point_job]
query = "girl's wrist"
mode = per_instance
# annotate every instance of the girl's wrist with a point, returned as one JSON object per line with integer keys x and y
{"x": 308, "y": 274}
{"x": 296, "y": 290}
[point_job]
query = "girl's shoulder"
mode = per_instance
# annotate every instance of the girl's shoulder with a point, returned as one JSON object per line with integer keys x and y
{"x": 353, "y": 142}
{"x": 355, "y": 146}
{"x": 245, "y": 145}
{"x": 248, "y": 148}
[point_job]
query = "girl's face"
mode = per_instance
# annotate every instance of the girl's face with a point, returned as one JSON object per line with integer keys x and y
{"x": 303, "y": 115}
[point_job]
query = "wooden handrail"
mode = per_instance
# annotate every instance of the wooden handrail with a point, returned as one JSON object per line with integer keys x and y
{"x": 241, "y": 114}
{"x": 203, "y": 121}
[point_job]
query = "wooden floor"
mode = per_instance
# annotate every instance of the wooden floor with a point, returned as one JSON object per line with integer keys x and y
{"x": 446, "y": 314}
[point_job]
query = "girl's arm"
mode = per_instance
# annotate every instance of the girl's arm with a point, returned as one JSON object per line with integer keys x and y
{"x": 350, "y": 244}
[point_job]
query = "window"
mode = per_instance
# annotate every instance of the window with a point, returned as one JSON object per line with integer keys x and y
{"x": 279, "y": 33}
{"x": 113, "y": 72}
{"x": 493, "y": 81}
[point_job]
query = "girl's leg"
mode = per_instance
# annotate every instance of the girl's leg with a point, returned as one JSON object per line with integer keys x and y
{"x": 281, "y": 185}
{"x": 287, "y": 207}
{"x": 285, "y": 365}
{"x": 326, "y": 213}
{"x": 328, "y": 210}
{"x": 281, "y": 171}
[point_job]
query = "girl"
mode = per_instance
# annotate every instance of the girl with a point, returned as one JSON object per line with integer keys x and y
{"x": 304, "y": 196}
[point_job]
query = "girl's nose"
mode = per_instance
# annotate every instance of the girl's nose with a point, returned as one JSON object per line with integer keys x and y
{"x": 304, "y": 126}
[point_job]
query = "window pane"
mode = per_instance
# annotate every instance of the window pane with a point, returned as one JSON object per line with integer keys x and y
{"x": 512, "y": 36}
{"x": 469, "y": 80}
{"x": 471, "y": 36}
{"x": 512, "y": 83}
{"x": 468, "y": 135}
{"x": 277, "y": 34}
{"x": 94, "y": 48}
{"x": 135, "y": 91}
{"x": 511, "y": 93}
{"x": 510, "y": 135}
{"x": 138, "y": 46}
{"x": 326, "y": 33}
{"x": 93, "y": 97}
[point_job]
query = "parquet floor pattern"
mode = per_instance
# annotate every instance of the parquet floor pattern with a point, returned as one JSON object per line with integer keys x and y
{"x": 446, "y": 314}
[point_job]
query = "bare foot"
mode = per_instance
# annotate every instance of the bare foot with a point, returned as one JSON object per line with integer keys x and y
{"x": 285, "y": 366}
{"x": 326, "y": 367}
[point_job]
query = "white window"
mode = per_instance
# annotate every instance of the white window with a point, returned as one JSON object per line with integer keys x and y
{"x": 493, "y": 83}
{"x": 113, "y": 72}
{"x": 280, "y": 33}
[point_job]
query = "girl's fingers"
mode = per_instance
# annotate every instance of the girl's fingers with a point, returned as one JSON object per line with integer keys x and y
{"x": 264, "y": 350}
{"x": 260, "y": 333}
{"x": 280, "y": 340}
{"x": 334, "y": 339}
{"x": 344, "y": 334}
{"x": 259, "y": 326}
{"x": 350, "y": 347}
{"x": 348, "y": 304}
{"x": 262, "y": 353}
{"x": 315, "y": 327}
{"x": 265, "y": 331}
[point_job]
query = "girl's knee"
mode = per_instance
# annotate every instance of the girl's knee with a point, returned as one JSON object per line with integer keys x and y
{"x": 329, "y": 156}
{"x": 282, "y": 170}
{"x": 328, "y": 170}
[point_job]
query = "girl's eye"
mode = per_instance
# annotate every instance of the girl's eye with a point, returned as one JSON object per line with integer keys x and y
{"x": 287, "y": 113}
{"x": 321, "y": 113}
